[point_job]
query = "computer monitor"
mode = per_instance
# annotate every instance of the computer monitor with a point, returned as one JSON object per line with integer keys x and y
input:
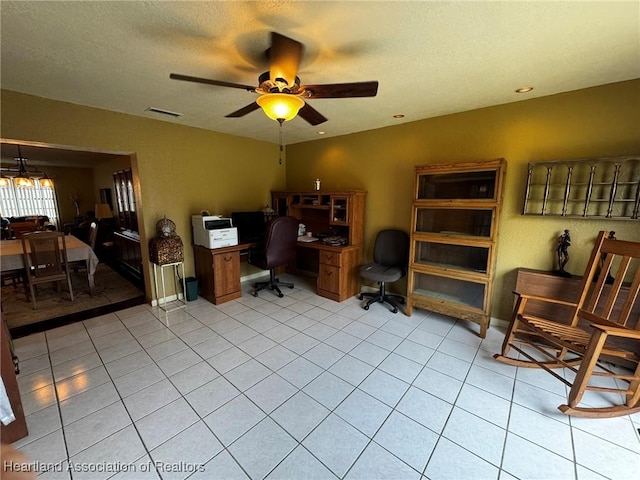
{"x": 251, "y": 225}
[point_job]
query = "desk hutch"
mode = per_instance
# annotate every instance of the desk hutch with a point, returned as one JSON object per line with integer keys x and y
{"x": 337, "y": 213}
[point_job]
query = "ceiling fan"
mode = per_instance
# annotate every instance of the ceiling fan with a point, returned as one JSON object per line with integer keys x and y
{"x": 280, "y": 94}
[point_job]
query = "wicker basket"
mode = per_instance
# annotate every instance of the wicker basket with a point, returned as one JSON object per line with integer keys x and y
{"x": 164, "y": 250}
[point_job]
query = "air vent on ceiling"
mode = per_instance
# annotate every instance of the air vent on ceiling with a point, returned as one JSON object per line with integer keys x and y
{"x": 163, "y": 112}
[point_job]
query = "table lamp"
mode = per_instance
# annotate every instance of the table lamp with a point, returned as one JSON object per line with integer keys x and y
{"x": 102, "y": 210}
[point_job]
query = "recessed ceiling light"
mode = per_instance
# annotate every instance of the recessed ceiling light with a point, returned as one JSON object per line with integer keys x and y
{"x": 523, "y": 89}
{"x": 399, "y": 115}
{"x": 321, "y": 132}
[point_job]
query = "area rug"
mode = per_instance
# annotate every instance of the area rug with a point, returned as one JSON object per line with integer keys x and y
{"x": 111, "y": 288}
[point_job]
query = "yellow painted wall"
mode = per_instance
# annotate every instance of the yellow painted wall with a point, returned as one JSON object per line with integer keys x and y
{"x": 601, "y": 121}
{"x": 181, "y": 170}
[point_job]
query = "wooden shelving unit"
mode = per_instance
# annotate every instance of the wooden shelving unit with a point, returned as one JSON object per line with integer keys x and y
{"x": 584, "y": 188}
{"x": 454, "y": 231}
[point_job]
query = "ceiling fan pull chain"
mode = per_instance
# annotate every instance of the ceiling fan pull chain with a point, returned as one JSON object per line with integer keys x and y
{"x": 280, "y": 143}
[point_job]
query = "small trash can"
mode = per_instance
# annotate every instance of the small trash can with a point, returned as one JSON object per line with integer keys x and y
{"x": 192, "y": 288}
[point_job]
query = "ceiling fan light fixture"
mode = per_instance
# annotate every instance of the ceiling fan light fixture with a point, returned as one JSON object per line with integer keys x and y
{"x": 46, "y": 182}
{"x": 280, "y": 106}
{"x": 523, "y": 89}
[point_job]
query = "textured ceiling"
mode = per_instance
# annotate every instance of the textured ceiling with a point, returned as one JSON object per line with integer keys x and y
{"x": 431, "y": 58}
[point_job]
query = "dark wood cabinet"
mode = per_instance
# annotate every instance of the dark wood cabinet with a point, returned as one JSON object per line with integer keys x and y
{"x": 128, "y": 256}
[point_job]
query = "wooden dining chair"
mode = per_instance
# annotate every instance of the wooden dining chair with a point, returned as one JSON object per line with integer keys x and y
{"x": 18, "y": 229}
{"x": 45, "y": 259}
{"x": 602, "y": 335}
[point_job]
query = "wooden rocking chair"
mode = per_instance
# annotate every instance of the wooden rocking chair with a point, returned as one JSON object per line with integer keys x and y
{"x": 603, "y": 329}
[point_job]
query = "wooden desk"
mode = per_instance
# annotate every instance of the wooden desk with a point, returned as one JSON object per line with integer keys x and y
{"x": 218, "y": 270}
{"x": 11, "y": 257}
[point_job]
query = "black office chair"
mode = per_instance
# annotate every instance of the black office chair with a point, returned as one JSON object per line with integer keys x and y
{"x": 279, "y": 249}
{"x": 390, "y": 257}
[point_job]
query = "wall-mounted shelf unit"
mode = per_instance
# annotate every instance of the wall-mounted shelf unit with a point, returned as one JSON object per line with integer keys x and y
{"x": 454, "y": 231}
{"x": 584, "y": 188}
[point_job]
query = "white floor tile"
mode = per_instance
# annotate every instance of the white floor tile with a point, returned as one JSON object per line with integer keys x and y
{"x": 377, "y": 463}
{"x": 36, "y": 400}
{"x": 336, "y": 444}
{"x": 408, "y": 440}
{"x": 213, "y": 346}
{"x": 150, "y": 399}
{"x": 193, "y": 377}
{"x": 400, "y": 367}
{"x": 300, "y": 343}
{"x": 96, "y": 426}
{"x": 483, "y": 404}
{"x": 211, "y": 396}
{"x": 604, "y": 457}
{"x": 247, "y": 375}
{"x": 137, "y": 380}
{"x": 222, "y": 466}
{"x": 191, "y": 449}
{"x": 271, "y": 392}
{"x": 161, "y": 425}
{"x": 88, "y": 402}
{"x": 351, "y": 369}
{"x": 480, "y": 437}
{"x": 369, "y": 353}
{"x": 33, "y": 381}
{"x": 452, "y": 462}
{"x": 424, "y": 408}
{"x": 179, "y": 361}
{"x": 228, "y": 359}
{"x": 128, "y": 364}
{"x": 121, "y": 448}
{"x": 384, "y": 387}
{"x": 542, "y": 430}
{"x": 329, "y": 390}
{"x": 277, "y": 357}
{"x": 300, "y": 415}
{"x": 257, "y": 345}
{"x": 438, "y": 384}
{"x": 300, "y": 372}
{"x": 491, "y": 381}
{"x": 301, "y": 464}
{"x": 363, "y": 412}
{"x": 414, "y": 351}
{"x": 82, "y": 382}
{"x": 74, "y": 367}
{"x": 233, "y": 419}
{"x": 49, "y": 449}
{"x": 262, "y": 448}
{"x": 40, "y": 424}
{"x": 324, "y": 355}
{"x": 524, "y": 459}
{"x": 452, "y": 366}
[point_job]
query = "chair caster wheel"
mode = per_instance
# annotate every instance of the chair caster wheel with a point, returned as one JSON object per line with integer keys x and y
{"x": 281, "y": 295}
{"x": 291, "y": 286}
{"x": 395, "y": 310}
{"x": 255, "y": 294}
{"x": 366, "y": 307}
{"x": 402, "y": 301}
{"x": 360, "y": 297}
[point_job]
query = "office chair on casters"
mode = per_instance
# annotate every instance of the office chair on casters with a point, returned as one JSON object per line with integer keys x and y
{"x": 390, "y": 257}
{"x": 279, "y": 249}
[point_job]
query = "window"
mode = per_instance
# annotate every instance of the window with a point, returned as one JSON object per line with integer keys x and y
{"x": 19, "y": 202}
{"x": 125, "y": 199}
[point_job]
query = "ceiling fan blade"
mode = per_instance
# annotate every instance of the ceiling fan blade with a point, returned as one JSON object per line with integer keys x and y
{"x": 311, "y": 115}
{"x": 244, "y": 110}
{"x": 219, "y": 83}
{"x": 340, "y": 90}
{"x": 285, "y": 55}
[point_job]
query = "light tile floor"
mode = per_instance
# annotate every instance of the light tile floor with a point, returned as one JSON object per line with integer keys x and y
{"x": 300, "y": 387}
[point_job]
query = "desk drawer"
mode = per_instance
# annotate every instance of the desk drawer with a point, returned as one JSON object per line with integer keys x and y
{"x": 329, "y": 279}
{"x": 330, "y": 258}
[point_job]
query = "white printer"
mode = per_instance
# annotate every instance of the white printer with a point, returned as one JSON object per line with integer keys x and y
{"x": 213, "y": 231}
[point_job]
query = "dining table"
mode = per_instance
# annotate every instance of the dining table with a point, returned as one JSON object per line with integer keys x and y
{"x": 12, "y": 258}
